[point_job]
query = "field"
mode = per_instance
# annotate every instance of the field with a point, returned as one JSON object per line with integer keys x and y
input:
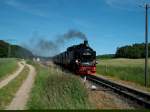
{"x": 55, "y": 90}
{"x": 8, "y": 92}
{"x": 124, "y": 69}
{"x": 7, "y": 66}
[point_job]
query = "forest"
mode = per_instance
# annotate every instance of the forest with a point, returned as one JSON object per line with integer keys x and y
{"x": 134, "y": 51}
{"x": 15, "y": 51}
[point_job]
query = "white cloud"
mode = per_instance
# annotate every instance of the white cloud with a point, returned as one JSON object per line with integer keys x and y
{"x": 18, "y": 4}
{"x": 36, "y": 8}
{"x": 130, "y": 5}
{"x": 13, "y": 3}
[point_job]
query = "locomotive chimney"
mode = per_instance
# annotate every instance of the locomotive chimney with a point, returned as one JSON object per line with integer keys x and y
{"x": 86, "y": 43}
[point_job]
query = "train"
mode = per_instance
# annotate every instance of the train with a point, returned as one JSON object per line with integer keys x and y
{"x": 80, "y": 59}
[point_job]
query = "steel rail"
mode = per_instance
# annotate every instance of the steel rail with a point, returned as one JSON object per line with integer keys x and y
{"x": 140, "y": 97}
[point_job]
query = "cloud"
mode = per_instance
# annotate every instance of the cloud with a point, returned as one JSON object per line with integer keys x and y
{"x": 130, "y": 5}
{"x": 13, "y": 3}
{"x": 16, "y": 4}
{"x": 40, "y": 8}
{"x": 26, "y": 7}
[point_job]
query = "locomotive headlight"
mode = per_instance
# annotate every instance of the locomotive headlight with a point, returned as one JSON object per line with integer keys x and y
{"x": 77, "y": 61}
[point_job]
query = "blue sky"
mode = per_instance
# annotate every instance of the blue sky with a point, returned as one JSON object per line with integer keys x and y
{"x": 108, "y": 24}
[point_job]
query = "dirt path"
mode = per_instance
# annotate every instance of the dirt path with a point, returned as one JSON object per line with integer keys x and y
{"x": 22, "y": 95}
{"x": 12, "y": 76}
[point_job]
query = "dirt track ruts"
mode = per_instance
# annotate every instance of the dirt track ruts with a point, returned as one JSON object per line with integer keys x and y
{"x": 22, "y": 95}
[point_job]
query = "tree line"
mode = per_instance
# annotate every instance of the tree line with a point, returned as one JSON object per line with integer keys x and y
{"x": 132, "y": 51}
{"x": 105, "y": 56}
{"x": 129, "y": 51}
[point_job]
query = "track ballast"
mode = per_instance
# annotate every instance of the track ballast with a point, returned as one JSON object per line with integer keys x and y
{"x": 140, "y": 97}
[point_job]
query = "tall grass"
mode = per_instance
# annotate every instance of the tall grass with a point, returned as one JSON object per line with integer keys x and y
{"x": 124, "y": 69}
{"x": 7, "y": 66}
{"x": 52, "y": 90}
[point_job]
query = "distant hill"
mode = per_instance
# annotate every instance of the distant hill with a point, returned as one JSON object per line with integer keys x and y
{"x": 16, "y": 51}
{"x": 132, "y": 51}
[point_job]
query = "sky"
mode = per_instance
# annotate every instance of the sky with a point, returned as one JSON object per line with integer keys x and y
{"x": 108, "y": 24}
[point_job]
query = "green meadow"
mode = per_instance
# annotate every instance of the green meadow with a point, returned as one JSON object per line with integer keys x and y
{"x": 7, "y": 66}
{"x": 124, "y": 69}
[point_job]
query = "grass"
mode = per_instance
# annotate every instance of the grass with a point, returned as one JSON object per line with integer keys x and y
{"x": 124, "y": 69}
{"x": 8, "y": 92}
{"x": 52, "y": 90}
{"x": 7, "y": 66}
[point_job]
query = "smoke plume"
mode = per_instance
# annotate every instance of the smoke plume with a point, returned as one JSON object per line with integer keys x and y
{"x": 74, "y": 34}
{"x": 42, "y": 47}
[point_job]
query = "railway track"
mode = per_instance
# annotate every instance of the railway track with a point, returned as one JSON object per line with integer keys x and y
{"x": 139, "y": 97}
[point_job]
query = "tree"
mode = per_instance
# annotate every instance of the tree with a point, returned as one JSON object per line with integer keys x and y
{"x": 132, "y": 51}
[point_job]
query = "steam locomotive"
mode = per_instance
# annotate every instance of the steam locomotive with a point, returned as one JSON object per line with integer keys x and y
{"x": 80, "y": 59}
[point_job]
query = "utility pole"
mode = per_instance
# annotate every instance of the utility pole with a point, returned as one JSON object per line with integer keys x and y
{"x": 9, "y": 47}
{"x": 9, "y": 50}
{"x": 146, "y": 43}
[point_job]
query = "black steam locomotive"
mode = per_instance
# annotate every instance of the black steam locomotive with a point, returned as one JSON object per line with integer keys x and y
{"x": 80, "y": 59}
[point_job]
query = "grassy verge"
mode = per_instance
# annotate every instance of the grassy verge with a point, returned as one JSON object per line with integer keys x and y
{"x": 124, "y": 69}
{"x": 8, "y": 92}
{"x": 7, "y": 66}
{"x": 52, "y": 90}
